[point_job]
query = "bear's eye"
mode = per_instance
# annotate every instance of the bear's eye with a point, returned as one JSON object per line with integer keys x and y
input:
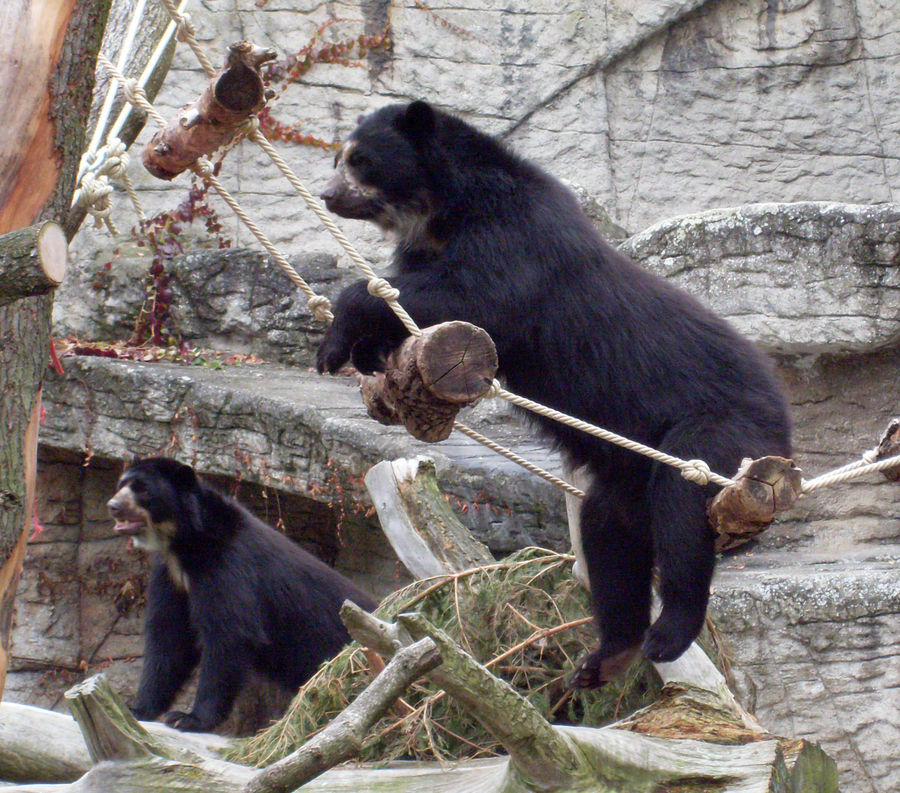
{"x": 138, "y": 487}
{"x": 357, "y": 160}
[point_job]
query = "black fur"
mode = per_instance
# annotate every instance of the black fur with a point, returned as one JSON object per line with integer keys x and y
{"x": 228, "y": 592}
{"x": 489, "y": 238}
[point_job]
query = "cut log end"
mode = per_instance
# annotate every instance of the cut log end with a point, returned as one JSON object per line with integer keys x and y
{"x": 52, "y": 250}
{"x": 430, "y": 377}
{"x": 761, "y": 489}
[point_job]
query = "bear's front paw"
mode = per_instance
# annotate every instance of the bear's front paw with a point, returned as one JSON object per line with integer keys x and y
{"x": 186, "y": 722}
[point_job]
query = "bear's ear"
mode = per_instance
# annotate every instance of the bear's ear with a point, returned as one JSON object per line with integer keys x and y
{"x": 183, "y": 476}
{"x": 418, "y": 121}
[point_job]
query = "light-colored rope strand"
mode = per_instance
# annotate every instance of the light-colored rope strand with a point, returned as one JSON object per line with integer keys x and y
{"x": 693, "y": 470}
{"x": 511, "y": 455}
{"x": 318, "y": 304}
{"x": 185, "y": 33}
{"x": 851, "y": 471}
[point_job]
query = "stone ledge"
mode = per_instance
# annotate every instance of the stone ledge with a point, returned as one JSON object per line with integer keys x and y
{"x": 298, "y": 431}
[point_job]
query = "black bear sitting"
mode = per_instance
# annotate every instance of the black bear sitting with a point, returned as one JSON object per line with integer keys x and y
{"x": 486, "y": 237}
{"x": 228, "y": 592}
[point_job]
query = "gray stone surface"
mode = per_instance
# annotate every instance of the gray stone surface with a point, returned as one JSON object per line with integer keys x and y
{"x": 236, "y": 299}
{"x": 801, "y": 278}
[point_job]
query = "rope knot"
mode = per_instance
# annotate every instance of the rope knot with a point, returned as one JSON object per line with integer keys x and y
{"x": 696, "y": 471}
{"x": 249, "y": 127}
{"x": 494, "y": 391}
{"x": 380, "y": 287}
{"x": 185, "y": 29}
{"x": 321, "y": 308}
{"x": 134, "y": 93}
{"x": 204, "y": 167}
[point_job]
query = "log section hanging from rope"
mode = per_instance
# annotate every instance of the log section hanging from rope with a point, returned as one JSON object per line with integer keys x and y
{"x": 215, "y": 119}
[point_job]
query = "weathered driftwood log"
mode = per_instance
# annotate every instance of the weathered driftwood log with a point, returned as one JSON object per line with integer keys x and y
{"x": 690, "y": 740}
{"x": 419, "y": 523}
{"x": 344, "y": 736}
{"x": 430, "y": 377}
{"x": 889, "y": 446}
{"x": 129, "y": 759}
{"x": 32, "y": 261}
{"x": 762, "y": 488}
{"x": 215, "y": 119}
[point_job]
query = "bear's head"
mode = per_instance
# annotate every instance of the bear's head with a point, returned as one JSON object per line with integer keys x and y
{"x": 150, "y": 501}
{"x": 381, "y": 173}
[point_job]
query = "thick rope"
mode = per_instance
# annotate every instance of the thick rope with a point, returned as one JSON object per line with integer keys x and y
{"x": 693, "y": 470}
{"x": 511, "y": 455}
{"x": 850, "y": 471}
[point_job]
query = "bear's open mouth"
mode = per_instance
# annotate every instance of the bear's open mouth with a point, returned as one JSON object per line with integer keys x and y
{"x": 129, "y": 527}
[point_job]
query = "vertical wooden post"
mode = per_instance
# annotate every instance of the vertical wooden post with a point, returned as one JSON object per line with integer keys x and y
{"x": 47, "y": 61}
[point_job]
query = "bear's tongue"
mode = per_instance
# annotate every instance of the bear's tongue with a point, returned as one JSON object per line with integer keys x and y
{"x": 128, "y": 527}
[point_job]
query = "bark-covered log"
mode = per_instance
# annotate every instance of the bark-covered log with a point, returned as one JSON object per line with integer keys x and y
{"x": 344, "y": 736}
{"x": 32, "y": 261}
{"x": 419, "y": 523}
{"x": 215, "y": 119}
{"x": 430, "y": 377}
{"x": 889, "y": 446}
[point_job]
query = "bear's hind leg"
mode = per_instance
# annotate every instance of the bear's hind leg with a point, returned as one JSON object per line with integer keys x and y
{"x": 684, "y": 546}
{"x": 619, "y": 558}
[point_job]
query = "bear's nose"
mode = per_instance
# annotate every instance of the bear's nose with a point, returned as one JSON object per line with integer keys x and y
{"x": 115, "y": 507}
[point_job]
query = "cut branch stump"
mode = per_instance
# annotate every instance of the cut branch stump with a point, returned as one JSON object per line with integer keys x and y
{"x": 419, "y": 523}
{"x": 32, "y": 261}
{"x": 429, "y": 378}
{"x": 216, "y": 118}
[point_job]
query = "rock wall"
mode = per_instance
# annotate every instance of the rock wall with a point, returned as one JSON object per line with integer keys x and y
{"x": 656, "y": 107}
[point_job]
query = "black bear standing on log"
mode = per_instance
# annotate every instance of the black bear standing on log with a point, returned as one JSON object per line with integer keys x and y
{"x": 487, "y": 237}
{"x": 228, "y": 592}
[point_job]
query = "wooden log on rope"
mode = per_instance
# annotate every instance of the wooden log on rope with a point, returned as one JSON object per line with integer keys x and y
{"x": 429, "y": 378}
{"x": 214, "y": 120}
{"x": 889, "y": 446}
{"x": 762, "y": 488}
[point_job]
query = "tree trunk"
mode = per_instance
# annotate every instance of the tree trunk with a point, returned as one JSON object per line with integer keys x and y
{"x": 46, "y": 76}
